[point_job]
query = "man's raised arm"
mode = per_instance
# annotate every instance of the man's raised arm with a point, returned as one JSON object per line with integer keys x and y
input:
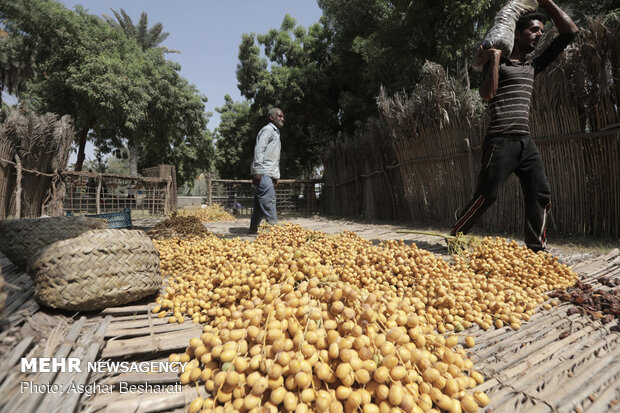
{"x": 561, "y": 20}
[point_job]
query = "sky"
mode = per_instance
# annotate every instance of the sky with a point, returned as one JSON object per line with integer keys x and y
{"x": 208, "y": 33}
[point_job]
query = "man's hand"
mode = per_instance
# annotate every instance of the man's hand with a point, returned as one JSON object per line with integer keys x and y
{"x": 484, "y": 55}
{"x": 276, "y": 182}
{"x": 256, "y": 180}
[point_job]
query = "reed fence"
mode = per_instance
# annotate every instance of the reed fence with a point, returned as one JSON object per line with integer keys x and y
{"x": 33, "y": 150}
{"x": 427, "y": 147}
{"x": 293, "y": 196}
{"x": 362, "y": 178}
{"x": 96, "y": 193}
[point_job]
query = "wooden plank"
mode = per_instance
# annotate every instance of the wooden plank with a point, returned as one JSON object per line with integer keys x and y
{"x": 139, "y": 378}
{"x": 14, "y": 356}
{"x": 18, "y": 300}
{"x": 516, "y": 354}
{"x": 143, "y": 402}
{"x": 140, "y": 323}
{"x": 151, "y": 344}
{"x": 160, "y": 402}
{"x": 515, "y": 340}
{"x": 30, "y": 404}
{"x": 147, "y": 330}
{"x": 525, "y": 377}
{"x": 565, "y": 362}
{"x": 538, "y": 353}
{"x": 575, "y": 392}
{"x": 29, "y": 308}
{"x": 69, "y": 401}
{"x": 604, "y": 401}
{"x": 132, "y": 309}
{"x": 132, "y": 317}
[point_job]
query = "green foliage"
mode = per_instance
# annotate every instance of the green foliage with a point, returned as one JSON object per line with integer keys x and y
{"x": 386, "y": 43}
{"x": 116, "y": 85}
{"x": 146, "y": 38}
{"x": 80, "y": 65}
{"x": 234, "y": 140}
{"x": 286, "y": 68}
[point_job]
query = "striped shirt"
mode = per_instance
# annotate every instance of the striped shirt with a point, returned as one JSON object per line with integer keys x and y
{"x": 509, "y": 110}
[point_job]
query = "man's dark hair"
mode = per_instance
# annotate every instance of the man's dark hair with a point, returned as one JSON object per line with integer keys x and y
{"x": 525, "y": 20}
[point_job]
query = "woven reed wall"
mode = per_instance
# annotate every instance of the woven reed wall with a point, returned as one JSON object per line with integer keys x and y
{"x": 575, "y": 121}
{"x": 361, "y": 177}
{"x": 42, "y": 144}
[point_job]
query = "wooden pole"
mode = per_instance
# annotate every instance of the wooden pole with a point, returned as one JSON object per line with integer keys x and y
{"x": 209, "y": 194}
{"x": 18, "y": 188}
{"x": 98, "y": 196}
{"x": 167, "y": 198}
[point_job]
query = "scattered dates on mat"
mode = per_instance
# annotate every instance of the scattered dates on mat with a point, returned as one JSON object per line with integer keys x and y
{"x": 598, "y": 304}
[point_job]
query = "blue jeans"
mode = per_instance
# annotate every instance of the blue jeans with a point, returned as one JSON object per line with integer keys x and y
{"x": 264, "y": 203}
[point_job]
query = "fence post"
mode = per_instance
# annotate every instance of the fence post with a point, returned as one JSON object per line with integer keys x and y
{"x": 209, "y": 196}
{"x": 167, "y": 196}
{"x": 309, "y": 200}
{"x": 470, "y": 157}
{"x": 98, "y": 196}
{"x": 18, "y": 188}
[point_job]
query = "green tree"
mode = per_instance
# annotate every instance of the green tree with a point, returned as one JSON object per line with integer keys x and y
{"x": 80, "y": 66}
{"x": 290, "y": 71}
{"x": 234, "y": 140}
{"x": 112, "y": 88}
{"x": 386, "y": 43}
{"x": 173, "y": 130}
{"x": 15, "y": 62}
{"x": 147, "y": 38}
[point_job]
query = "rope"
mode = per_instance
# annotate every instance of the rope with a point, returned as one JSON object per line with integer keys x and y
{"x": 495, "y": 375}
{"x": 526, "y": 394}
{"x": 30, "y": 170}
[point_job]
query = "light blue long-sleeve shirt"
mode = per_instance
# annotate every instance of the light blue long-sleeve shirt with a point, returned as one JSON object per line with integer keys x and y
{"x": 267, "y": 152}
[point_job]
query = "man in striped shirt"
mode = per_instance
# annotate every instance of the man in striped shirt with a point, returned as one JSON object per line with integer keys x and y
{"x": 508, "y": 147}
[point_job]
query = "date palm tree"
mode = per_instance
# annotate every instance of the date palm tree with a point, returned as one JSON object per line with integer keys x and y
{"x": 146, "y": 38}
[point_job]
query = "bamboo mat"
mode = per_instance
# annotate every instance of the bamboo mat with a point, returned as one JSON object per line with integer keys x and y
{"x": 529, "y": 370}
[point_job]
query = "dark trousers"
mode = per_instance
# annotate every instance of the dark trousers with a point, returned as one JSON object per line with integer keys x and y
{"x": 264, "y": 203}
{"x": 501, "y": 156}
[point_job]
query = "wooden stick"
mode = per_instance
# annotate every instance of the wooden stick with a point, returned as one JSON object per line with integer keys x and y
{"x": 14, "y": 356}
{"x": 18, "y": 188}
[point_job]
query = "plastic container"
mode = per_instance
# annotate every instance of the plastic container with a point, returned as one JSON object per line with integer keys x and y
{"x": 115, "y": 219}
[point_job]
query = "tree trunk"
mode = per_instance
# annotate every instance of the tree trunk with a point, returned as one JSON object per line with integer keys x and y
{"x": 81, "y": 148}
{"x": 133, "y": 159}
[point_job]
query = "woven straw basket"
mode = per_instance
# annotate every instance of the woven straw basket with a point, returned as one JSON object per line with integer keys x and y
{"x": 21, "y": 239}
{"x": 97, "y": 269}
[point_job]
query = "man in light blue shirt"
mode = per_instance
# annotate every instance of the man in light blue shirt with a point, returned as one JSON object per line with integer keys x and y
{"x": 265, "y": 170}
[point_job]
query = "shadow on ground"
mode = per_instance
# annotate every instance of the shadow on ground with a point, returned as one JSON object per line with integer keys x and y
{"x": 440, "y": 249}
